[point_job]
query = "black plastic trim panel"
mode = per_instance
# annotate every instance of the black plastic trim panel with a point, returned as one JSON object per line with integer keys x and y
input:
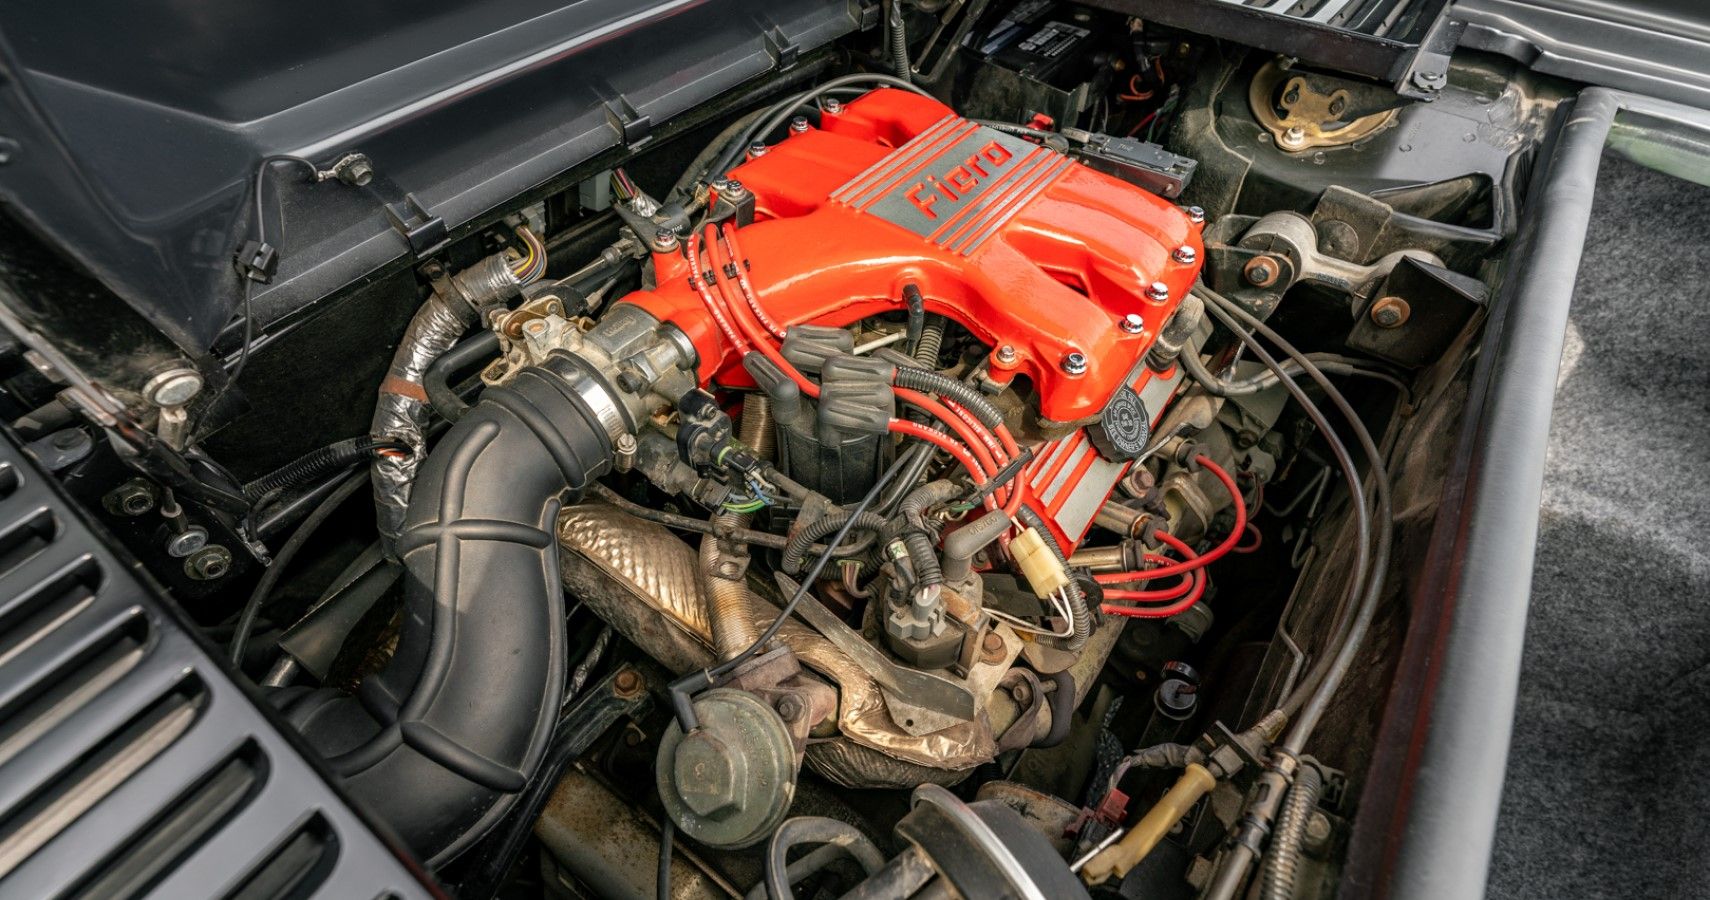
{"x": 130, "y": 764}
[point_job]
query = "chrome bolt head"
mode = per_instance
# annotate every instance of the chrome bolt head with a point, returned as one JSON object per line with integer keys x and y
{"x": 798, "y": 124}
{"x": 832, "y": 105}
{"x": 174, "y": 388}
{"x": 1075, "y": 363}
{"x": 1006, "y": 354}
{"x": 1133, "y": 323}
{"x": 1184, "y": 255}
{"x": 756, "y": 149}
{"x": 1158, "y": 291}
{"x": 1196, "y": 215}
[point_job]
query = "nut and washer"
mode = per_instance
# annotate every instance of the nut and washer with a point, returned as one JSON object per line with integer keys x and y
{"x": 1158, "y": 291}
{"x": 798, "y": 124}
{"x": 1006, "y": 354}
{"x": 1390, "y": 312}
{"x": 209, "y": 563}
{"x": 664, "y": 240}
{"x": 1261, "y": 271}
{"x": 756, "y": 149}
{"x": 1184, "y": 254}
{"x": 832, "y": 105}
{"x": 174, "y": 388}
{"x": 1075, "y": 363}
{"x": 1133, "y": 324}
{"x": 133, "y": 498}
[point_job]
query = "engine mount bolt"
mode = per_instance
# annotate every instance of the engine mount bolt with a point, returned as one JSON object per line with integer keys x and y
{"x": 790, "y": 709}
{"x": 798, "y": 124}
{"x": 1196, "y": 215}
{"x": 1133, "y": 324}
{"x": 1184, "y": 254}
{"x": 1390, "y": 312}
{"x": 1293, "y": 137}
{"x": 1075, "y": 363}
{"x": 1006, "y": 354}
{"x": 756, "y": 149}
{"x": 1158, "y": 291}
{"x": 627, "y": 683}
{"x": 1261, "y": 271}
{"x": 832, "y": 105}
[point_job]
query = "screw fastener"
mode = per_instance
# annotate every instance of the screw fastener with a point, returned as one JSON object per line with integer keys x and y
{"x": 1133, "y": 324}
{"x": 1390, "y": 312}
{"x": 1158, "y": 291}
{"x": 1075, "y": 363}
{"x": 1196, "y": 215}
{"x": 798, "y": 124}
{"x": 1006, "y": 354}
{"x": 1184, "y": 254}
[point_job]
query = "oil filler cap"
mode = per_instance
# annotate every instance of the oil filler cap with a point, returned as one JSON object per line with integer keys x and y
{"x": 1121, "y": 432}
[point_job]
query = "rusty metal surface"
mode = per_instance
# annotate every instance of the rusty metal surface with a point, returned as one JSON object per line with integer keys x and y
{"x": 606, "y": 843}
{"x": 643, "y": 580}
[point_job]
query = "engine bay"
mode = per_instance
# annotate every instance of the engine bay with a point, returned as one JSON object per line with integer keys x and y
{"x": 993, "y": 460}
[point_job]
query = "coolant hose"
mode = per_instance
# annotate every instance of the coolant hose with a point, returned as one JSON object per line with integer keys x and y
{"x": 441, "y": 741}
{"x": 1282, "y": 859}
{"x": 729, "y": 601}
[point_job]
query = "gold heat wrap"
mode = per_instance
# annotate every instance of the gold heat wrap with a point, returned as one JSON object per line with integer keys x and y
{"x": 643, "y": 580}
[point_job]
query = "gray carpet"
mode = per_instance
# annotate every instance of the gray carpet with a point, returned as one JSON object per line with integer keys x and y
{"x": 1608, "y": 789}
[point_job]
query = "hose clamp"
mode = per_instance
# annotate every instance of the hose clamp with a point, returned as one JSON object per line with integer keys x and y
{"x": 593, "y": 393}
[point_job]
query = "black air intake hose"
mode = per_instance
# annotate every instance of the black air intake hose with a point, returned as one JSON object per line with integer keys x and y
{"x": 440, "y": 743}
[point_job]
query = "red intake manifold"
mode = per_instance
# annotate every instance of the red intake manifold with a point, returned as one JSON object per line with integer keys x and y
{"x": 1067, "y": 273}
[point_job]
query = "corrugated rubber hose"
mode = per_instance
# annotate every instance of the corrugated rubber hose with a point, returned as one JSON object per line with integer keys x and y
{"x": 441, "y": 741}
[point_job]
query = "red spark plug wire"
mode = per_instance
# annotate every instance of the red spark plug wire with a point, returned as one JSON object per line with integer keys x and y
{"x": 1194, "y": 562}
{"x": 1194, "y": 593}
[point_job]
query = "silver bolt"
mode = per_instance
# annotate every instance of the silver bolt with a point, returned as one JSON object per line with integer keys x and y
{"x": 734, "y": 189}
{"x": 1133, "y": 323}
{"x": 1196, "y": 215}
{"x": 192, "y": 539}
{"x": 1184, "y": 255}
{"x": 1318, "y": 832}
{"x": 1006, "y": 354}
{"x": 1158, "y": 291}
{"x": 1075, "y": 363}
{"x": 665, "y": 240}
{"x": 832, "y": 105}
{"x": 1294, "y": 136}
{"x": 174, "y": 388}
{"x": 756, "y": 149}
{"x": 798, "y": 124}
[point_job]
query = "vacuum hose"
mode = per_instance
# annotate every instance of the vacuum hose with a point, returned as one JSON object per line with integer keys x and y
{"x": 441, "y": 742}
